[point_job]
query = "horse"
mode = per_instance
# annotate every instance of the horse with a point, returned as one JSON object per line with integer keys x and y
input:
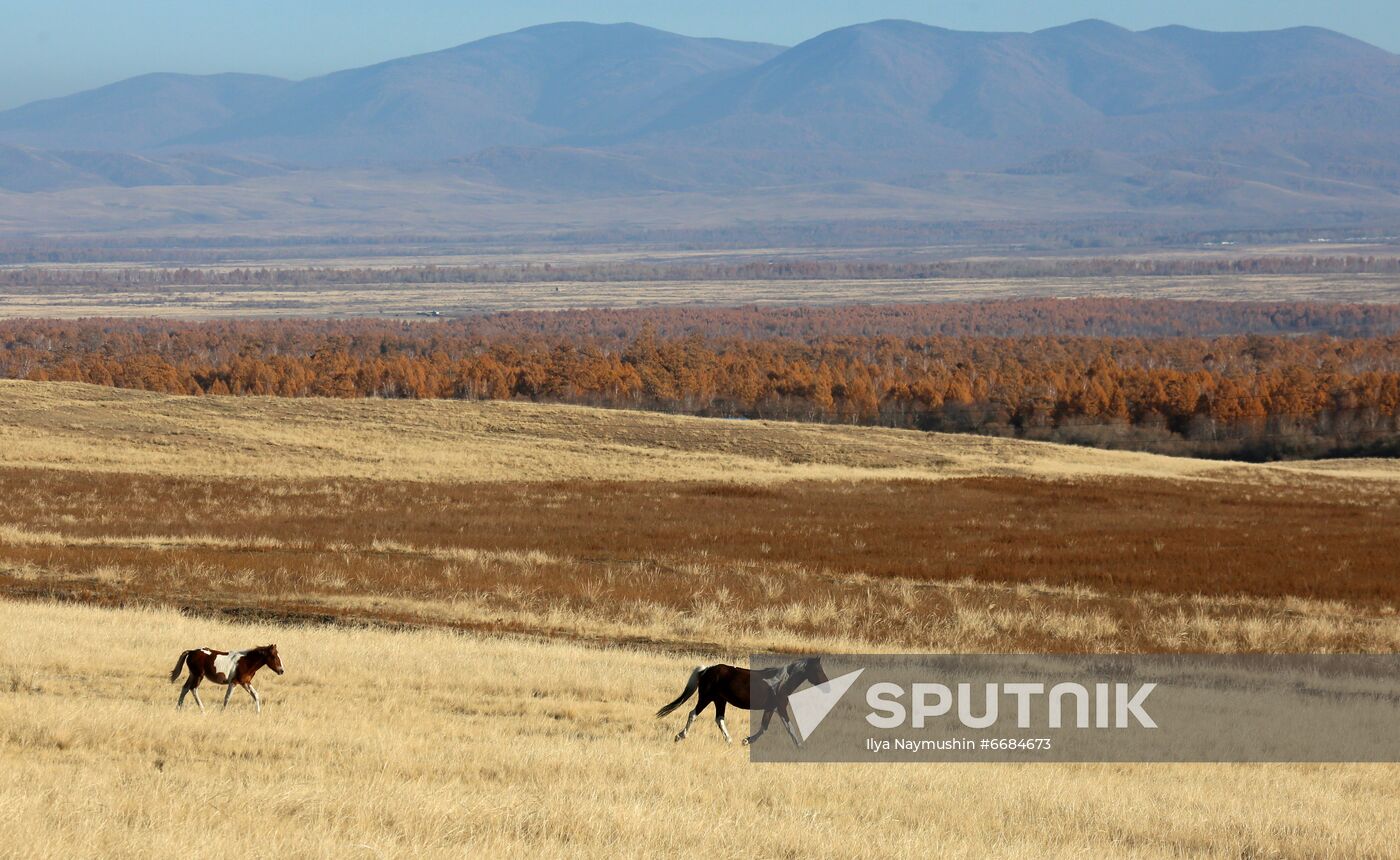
{"x": 236, "y": 669}
{"x": 731, "y": 685}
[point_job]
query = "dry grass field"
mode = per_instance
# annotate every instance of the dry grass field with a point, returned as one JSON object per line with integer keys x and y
{"x": 392, "y": 300}
{"x": 391, "y": 744}
{"x": 441, "y": 577}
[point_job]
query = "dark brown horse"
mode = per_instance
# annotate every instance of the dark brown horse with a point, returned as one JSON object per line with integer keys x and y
{"x": 767, "y": 689}
{"x": 236, "y": 669}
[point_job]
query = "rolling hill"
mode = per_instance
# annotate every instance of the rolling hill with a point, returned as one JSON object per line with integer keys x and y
{"x": 98, "y": 429}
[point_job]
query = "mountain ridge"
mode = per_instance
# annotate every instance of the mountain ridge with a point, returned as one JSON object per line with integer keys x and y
{"x": 1172, "y": 116}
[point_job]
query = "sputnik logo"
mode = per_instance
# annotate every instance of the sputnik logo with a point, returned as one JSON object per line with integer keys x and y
{"x": 810, "y": 706}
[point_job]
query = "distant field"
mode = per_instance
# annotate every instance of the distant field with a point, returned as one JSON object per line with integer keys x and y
{"x": 377, "y": 300}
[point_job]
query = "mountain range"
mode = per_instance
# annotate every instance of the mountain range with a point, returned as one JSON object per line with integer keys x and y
{"x": 1281, "y": 121}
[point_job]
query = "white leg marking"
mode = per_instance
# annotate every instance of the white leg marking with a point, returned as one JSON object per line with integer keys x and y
{"x": 787, "y": 725}
{"x": 257, "y": 703}
{"x": 724, "y": 730}
{"x": 762, "y": 727}
{"x": 195, "y": 693}
{"x": 685, "y": 731}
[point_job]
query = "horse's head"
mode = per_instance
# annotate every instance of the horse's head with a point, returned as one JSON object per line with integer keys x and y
{"x": 814, "y": 673}
{"x": 274, "y": 662}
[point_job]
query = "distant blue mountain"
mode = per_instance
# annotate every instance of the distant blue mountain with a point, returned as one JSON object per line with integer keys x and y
{"x": 977, "y": 98}
{"x": 532, "y": 87}
{"x": 138, "y": 113}
{"x": 625, "y": 107}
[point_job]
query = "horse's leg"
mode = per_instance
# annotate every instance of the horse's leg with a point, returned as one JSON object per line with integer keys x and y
{"x": 257, "y": 703}
{"x": 763, "y": 727}
{"x": 229, "y": 692}
{"x": 719, "y": 718}
{"x": 189, "y": 688}
{"x": 690, "y": 720}
{"x": 192, "y": 688}
{"x": 787, "y": 724}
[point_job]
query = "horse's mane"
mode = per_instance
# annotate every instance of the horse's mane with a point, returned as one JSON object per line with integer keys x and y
{"x": 777, "y": 676}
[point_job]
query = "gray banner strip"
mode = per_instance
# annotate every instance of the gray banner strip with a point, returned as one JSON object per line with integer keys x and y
{"x": 1076, "y": 708}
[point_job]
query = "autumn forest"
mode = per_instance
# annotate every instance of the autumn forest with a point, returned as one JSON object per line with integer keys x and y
{"x": 1229, "y": 379}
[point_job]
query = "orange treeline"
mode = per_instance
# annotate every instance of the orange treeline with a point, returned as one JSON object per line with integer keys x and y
{"x": 1202, "y": 390}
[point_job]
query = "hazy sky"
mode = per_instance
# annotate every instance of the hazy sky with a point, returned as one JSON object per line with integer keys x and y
{"x": 54, "y": 47}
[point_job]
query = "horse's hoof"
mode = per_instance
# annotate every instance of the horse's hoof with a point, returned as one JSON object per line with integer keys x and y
{"x": 747, "y": 741}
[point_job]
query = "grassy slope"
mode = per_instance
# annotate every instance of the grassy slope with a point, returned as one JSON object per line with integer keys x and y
{"x": 71, "y": 426}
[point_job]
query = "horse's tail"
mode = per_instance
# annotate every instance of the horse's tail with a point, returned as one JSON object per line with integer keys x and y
{"x": 690, "y": 687}
{"x": 179, "y": 664}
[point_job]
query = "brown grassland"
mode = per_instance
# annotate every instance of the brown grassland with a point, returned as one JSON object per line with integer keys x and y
{"x": 442, "y": 578}
{"x": 999, "y": 564}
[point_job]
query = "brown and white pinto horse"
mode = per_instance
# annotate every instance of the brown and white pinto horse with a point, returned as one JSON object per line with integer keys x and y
{"x": 236, "y": 669}
{"x": 730, "y": 685}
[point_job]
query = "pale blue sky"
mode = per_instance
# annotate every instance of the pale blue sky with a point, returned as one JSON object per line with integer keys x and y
{"x": 54, "y": 47}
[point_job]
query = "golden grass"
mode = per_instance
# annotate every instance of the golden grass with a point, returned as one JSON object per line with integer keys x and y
{"x": 381, "y": 744}
{"x": 90, "y": 428}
